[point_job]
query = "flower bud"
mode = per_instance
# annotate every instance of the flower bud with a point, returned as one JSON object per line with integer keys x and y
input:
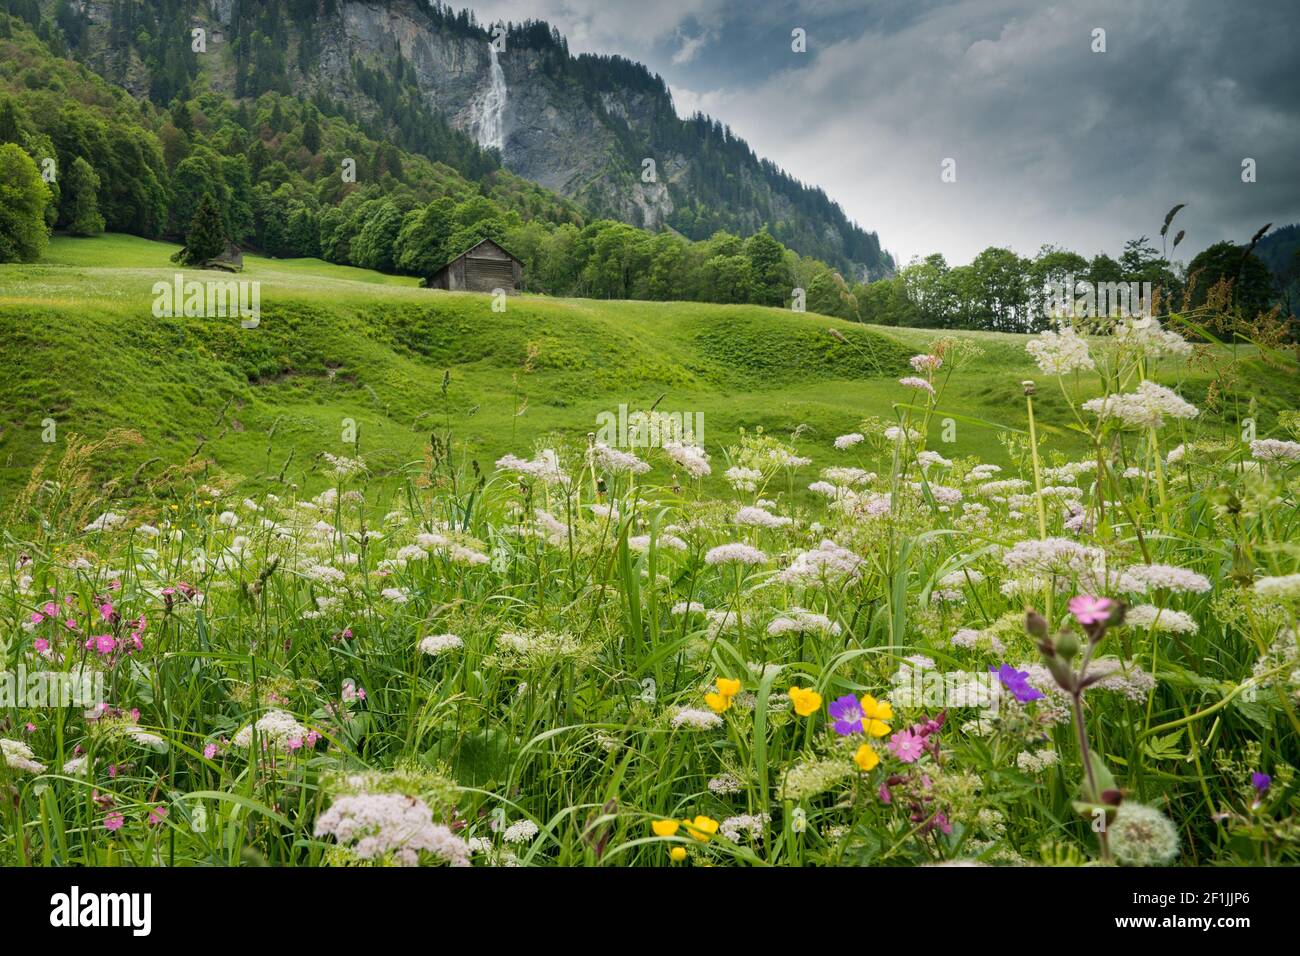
{"x": 1067, "y": 644}
{"x": 1117, "y": 614}
{"x": 1035, "y": 624}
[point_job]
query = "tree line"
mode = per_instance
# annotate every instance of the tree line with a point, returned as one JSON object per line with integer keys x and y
{"x": 1002, "y": 291}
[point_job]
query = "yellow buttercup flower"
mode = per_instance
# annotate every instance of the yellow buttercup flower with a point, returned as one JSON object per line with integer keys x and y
{"x": 701, "y": 827}
{"x": 806, "y": 701}
{"x": 718, "y": 703}
{"x": 866, "y": 758}
{"x": 877, "y": 709}
{"x": 728, "y": 687}
{"x": 874, "y": 715}
{"x": 677, "y": 854}
{"x": 664, "y": 828}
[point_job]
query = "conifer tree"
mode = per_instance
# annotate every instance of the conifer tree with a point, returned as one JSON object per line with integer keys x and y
{"x": 207, "y": 236}
{"x": 9, "y": 131}
{"x": 81, "y": 187}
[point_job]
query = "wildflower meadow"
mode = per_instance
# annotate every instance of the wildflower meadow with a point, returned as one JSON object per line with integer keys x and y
{"x": 1080, "y": 657}
{"x": 743, "y": 458}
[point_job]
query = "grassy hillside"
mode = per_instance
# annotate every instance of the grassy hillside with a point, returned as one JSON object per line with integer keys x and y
{"x": 81, "y": 345}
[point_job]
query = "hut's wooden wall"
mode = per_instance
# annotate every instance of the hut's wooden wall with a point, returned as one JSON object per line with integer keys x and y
{"x": 484, "y": 268}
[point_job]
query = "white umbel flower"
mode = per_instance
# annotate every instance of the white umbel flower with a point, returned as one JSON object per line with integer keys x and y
{"x": 956, "y": 579}
{"x": 760, "y": 518}
{"x": 379, "y": 825}
{"x": 841, "y": 475}
{"x": 1162, "y": 619}
{"x": 1148, "y": 407}
{"x": 825, "y": 564}
{"x": 436, "y": 644}
{"x": 913, "y": 381}
{"x": 1284, "y": 588}
{"x": 743, "y": 479}
{"x": 1167, "y": 577}
{"x": 545, "y": 466}
{"x": 798, "y": 621}
{"x": 19, "y": 756}
{"x": 108, "y": 521}
{"x": 734, "y": 554}
{"x": 1051, "y": 555}
{"x": 616, "y": 462}
{"x": 746, "y": 826}
{"x": 693, "y": 718}
{"x": 692, "y": 458}
{"x": 275, "y": 728}
{"x": 1274, "y": 449}
{"x": 1061, "y": 351}
{"x": 897, "y": 434}
{"x": 1144, "y": 332}
{"x": 521, "y": 831}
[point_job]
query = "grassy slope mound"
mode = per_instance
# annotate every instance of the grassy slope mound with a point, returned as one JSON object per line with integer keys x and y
{"x": 80, "y": 345}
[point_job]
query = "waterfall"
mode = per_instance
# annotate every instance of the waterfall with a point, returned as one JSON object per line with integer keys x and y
{"x": 490, "y": 108}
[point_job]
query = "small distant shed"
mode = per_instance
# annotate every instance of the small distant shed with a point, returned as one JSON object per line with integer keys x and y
{"x": 231, "y": 259}
{"x": 483, "y": 267}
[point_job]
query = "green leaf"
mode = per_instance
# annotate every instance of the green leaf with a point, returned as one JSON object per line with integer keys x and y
{"x": 478, "y": 758}
{"x": 1166, "y": 747}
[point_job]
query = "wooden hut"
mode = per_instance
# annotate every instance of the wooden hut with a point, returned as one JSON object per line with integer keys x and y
{"x": 484, "y": 267}
{"x": 231, "y": 259}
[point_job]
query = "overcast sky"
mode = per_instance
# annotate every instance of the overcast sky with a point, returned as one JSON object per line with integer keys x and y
{"x": 1053, "y": 142}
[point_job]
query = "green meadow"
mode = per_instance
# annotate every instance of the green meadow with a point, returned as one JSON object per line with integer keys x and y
{"x": 82, "y": 347}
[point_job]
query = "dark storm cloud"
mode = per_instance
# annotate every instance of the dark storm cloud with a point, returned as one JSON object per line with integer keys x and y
{"x": 1053, "y": 143}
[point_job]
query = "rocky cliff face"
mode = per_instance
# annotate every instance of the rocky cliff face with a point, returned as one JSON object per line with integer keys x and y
{"x": 559, "y": 121}
{"x": 548, "y": 135}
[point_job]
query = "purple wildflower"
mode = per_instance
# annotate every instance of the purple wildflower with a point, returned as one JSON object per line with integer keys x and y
{"x": 1017, "y": 682}
{"x": 847, "y": 713}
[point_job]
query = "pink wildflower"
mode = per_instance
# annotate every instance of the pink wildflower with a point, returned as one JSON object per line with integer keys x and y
{"x": 906, "y": 746}
{"x": 103, "y": 644}
{"x": 1088, "y": 610}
